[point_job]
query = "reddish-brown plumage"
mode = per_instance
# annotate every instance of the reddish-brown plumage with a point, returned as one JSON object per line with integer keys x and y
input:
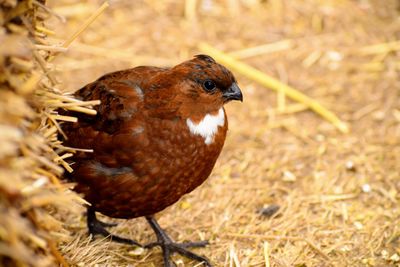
{"x": 145, "y": 154}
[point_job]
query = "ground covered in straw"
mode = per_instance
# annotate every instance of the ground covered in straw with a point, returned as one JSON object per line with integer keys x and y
{"x": 338, "y": 193}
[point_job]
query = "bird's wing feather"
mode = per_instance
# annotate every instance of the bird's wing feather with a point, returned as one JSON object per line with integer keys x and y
{"x": 120, "y": 116}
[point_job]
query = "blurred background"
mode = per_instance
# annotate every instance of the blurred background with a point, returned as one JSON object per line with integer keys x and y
{"x": 289, "y": 189}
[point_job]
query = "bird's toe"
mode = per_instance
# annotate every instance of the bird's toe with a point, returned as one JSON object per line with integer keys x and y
{"x": 170, "y": 248}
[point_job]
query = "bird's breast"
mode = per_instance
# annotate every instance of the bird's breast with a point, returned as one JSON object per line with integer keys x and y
{"x": 181, "y": 156}
{"x": 187, "y": 150}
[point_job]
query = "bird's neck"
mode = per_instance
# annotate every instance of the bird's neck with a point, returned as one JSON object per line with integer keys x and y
{"x": 208, "y": 125}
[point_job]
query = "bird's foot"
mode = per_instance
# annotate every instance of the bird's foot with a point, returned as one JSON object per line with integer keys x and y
{"x": 97, "y": 227}
{"x": 169, "y": 247}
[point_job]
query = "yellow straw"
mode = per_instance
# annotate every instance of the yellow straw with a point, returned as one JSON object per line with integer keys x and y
{"x": 86, "y": 24}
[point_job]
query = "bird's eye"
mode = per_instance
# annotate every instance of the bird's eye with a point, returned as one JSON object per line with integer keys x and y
{"x": 209, "y": 85}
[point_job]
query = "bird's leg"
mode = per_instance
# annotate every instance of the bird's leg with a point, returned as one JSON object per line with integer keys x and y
{"x": 169, "y": 247}
{"x": 97, "y": 227}
{"x": 91, "y": 215}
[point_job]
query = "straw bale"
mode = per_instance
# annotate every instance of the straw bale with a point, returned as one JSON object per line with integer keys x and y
{"x": 30, "y": 154}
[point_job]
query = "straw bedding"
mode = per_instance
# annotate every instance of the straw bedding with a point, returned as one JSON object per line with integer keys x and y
{"x": 335, "y": 192}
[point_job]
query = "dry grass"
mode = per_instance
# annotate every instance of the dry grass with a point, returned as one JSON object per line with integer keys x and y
{"x": 338, "y": 193}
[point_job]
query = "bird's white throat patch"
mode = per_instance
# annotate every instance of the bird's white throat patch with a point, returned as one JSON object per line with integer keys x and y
{"x": 208, "y": 126}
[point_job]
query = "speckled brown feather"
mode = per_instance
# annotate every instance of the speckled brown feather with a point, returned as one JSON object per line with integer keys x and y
{"x": 145, "y": 158}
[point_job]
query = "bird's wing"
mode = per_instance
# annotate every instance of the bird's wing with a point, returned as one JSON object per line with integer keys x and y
{"x": 120, "y": 134}
{"x": 120, "y": 120}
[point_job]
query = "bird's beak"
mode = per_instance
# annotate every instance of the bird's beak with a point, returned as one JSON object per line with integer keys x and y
{"x": 233, "y": 93}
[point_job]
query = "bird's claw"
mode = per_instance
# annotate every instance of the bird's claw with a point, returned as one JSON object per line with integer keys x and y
{"x": 169, "y": 247}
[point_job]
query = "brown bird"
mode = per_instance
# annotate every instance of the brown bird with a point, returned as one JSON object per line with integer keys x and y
{"x": 156, "y": 136}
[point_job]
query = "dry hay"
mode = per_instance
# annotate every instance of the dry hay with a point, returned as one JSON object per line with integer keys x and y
{"x": 31, "y": 196}
{"x": 338, "y": 193}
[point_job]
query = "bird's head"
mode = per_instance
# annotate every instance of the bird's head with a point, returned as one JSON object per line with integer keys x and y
{"x": 204, "y": 86}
